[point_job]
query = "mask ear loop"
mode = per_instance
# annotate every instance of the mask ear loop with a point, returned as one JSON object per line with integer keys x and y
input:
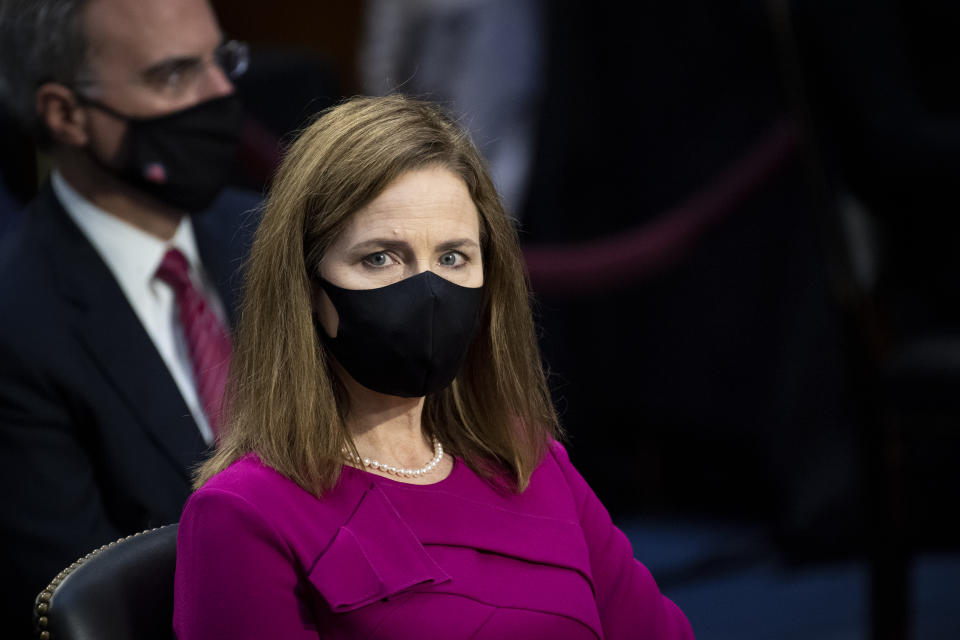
{"x": 87, "y": 101}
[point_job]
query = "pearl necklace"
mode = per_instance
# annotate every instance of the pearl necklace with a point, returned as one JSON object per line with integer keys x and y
{"x": 404, "y": 473}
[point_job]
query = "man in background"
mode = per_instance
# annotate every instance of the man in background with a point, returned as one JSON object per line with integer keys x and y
{"x": 119, "y": 287}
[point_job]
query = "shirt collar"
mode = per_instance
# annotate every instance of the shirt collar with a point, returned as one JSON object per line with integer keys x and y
{"x": 132, "y": 254}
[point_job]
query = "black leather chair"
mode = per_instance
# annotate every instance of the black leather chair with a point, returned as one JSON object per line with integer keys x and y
{"x": 121, "y": 591}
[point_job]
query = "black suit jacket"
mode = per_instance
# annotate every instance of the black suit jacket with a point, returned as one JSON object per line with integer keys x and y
{"x": 96, "y": 441}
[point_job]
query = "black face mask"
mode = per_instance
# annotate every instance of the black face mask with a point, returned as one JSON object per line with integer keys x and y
{"x": 407, "y": 339}
{"x": 182, "y": 158}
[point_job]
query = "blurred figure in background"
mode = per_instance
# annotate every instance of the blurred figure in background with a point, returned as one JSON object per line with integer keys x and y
{"x": 482, "y": 58}
{"x": 119, "y": 286}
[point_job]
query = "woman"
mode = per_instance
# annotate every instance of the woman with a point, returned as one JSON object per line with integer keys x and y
{"x": 390, "y": 467}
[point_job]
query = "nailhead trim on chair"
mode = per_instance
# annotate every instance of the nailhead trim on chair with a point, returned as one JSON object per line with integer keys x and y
{"x": 43, "y": 600}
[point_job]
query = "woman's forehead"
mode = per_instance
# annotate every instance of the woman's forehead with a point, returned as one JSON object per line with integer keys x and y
{"x": 432, "y": 201}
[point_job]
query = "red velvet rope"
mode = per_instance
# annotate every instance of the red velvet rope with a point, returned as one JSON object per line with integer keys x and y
{"x": 625, "y": 258}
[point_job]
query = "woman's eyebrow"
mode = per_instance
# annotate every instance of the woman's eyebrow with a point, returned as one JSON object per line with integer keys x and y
{"x": 392, "y": 244}
{"x": 374, "y": 244}
{"x": 458, "y": 244}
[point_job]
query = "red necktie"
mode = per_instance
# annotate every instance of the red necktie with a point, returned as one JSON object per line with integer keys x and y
{"x": 207, "y": 340}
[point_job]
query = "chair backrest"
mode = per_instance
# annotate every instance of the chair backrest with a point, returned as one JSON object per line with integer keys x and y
{"x": 122, "y": 590}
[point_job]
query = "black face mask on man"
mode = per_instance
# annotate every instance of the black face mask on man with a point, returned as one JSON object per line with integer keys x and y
{"x": 182, "y": 158}
{"x": 407, "y": 339}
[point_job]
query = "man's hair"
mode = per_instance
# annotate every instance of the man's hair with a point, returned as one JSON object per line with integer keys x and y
{"x": 40, "y": 41}
{"x": 285, "y": 400}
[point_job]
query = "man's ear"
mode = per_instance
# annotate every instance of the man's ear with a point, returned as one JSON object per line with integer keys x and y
{"x": 61, "y": 114}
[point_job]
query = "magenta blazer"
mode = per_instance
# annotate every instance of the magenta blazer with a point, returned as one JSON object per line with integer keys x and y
{"x": 259, "y": 557}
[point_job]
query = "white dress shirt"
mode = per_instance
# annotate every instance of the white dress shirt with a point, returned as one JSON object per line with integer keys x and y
{"x": 133, "y": 257}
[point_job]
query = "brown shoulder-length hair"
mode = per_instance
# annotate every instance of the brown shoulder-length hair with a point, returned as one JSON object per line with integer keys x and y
{"x": 284, "y": 400}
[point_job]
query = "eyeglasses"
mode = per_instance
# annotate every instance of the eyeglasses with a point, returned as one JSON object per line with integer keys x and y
{"x": 177, "y": 76}
{"x": 233, "y": 57}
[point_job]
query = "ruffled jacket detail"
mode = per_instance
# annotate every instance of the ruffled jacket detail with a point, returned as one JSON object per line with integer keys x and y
{"x": 379, "y": 557}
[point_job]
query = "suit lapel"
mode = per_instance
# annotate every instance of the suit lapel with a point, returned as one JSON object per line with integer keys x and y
{"x": 224, "y": 235}
{"x": 114, "y": 337}
{"x": 126, "y": 354}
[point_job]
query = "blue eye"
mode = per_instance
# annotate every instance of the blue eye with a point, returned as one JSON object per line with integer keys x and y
{"x": 378, "y": 259}
{"x": 452, "y": 259}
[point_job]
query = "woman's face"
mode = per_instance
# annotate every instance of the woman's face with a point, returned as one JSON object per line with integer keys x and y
{"x": 424, "y": 220}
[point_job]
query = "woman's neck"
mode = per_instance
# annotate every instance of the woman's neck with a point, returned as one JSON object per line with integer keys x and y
{"x": 387, "y": 428}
